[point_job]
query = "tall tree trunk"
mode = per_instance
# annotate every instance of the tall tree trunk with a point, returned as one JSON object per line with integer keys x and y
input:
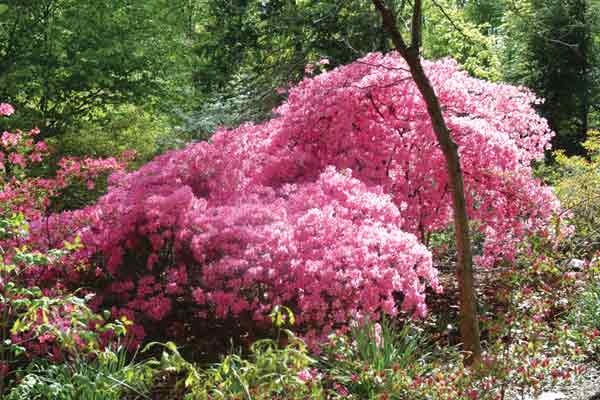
{"x": 585, "y": 49}
{"x": 469, "y": 325}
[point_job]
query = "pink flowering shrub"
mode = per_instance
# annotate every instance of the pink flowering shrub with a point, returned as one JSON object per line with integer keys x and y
{"x": 323, "y": 209}
{"x": 369, "y": 116}
{"x": 37, "y": 311}
{"x": 329, "y": 249}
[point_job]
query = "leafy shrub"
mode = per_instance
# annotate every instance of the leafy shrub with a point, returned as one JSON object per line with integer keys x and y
{"x": 270, "y": 372}
{"x": 577, "y": 184}
{"x": 38, "y": 317}
{"x": 123, "y": 128}
{"x": 36, "y": 322}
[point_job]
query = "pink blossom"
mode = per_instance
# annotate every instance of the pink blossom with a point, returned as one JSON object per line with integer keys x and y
{"x": 6, "y": 109}
{"x": 17, "y": 159}
{"x": 41, "y": 147}
{"x": 305, "y": 375}
{"x": 10, "y": 139}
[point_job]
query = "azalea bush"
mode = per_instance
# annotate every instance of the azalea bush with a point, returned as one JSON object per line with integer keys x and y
{"x": 325, "y": 209}
{"x": 39, "y": 315}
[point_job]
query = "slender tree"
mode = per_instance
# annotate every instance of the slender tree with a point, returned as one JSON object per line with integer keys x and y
{"x": 469, "y": 326}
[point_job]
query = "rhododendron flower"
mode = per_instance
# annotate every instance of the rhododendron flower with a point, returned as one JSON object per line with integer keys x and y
{"x": 305, "y": 375}
{"x": 6, "y": 109}
{"x": 10, "y": 139}
{"x": 41, "y": 146}
{"x": 17, "y": 159}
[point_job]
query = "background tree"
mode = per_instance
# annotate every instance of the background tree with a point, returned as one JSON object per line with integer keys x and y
{"x": 63, "y": 62}
{"x": 248, "y": 49}
{"x": 465, "y": 33}
{"x": 550, "y": 46}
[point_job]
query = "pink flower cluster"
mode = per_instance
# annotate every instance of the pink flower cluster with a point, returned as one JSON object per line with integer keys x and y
{"x": 369, "y": 117}
{"x": 330, "y": 249}
{"x": 6, "y": 109}
{"x": 323, "y": 209}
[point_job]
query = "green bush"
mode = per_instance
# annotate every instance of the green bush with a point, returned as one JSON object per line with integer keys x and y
{"x": 271, "y": 372}
{"x": 576, "y": 181}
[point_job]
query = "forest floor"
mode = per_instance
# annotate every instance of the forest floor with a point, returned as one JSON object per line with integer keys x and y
{"x": 584, "y": 387}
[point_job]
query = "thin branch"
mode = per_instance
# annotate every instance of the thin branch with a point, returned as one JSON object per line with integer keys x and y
{"x": 449, "y": 18}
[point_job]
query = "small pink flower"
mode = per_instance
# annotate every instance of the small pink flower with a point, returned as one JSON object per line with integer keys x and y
{"x": 46, "y": 338}
{"x": 342, "y": 391}
{"x": 378, "y": 337}
{"x": 305, "y": 375}
{"x": 41, "y": 146}
{"x": 324, "y": 61}
{"x": 35, "y": 157}
{"x": 199, "y": 296}
{"x": 6, "y": 109}
{"x": 9, "y": 139}
{"x": 17, "y": 159}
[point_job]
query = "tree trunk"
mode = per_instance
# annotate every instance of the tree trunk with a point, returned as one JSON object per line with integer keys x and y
{"x": 469, "y": 325}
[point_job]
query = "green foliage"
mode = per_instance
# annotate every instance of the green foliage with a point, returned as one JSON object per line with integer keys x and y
{"x": 577, "y": 183}
{"x": 248, "y": 49}
{"x": 29, "y": 316}
{"x": 109, "y": 375}
{"x": 450, "y": 32}
{"x": 272, "y": 372}
{"x": 549, "y": 47}
{"x": 63, "y": 62}
{"x": 587, "y": 313}
{"x": 125, "y": 128}
{"x": 379, "y": 345}
{"x": 374, "y": 359}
